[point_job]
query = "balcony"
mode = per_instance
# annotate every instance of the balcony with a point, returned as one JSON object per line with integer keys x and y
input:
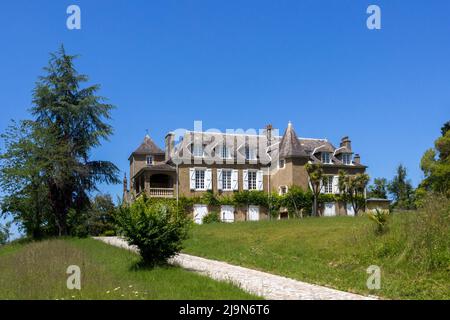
{"x": 161, "y": 193}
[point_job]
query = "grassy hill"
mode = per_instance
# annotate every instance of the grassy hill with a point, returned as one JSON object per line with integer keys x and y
{"x": 38, "y": 271}
{"x": 334, "y": 252}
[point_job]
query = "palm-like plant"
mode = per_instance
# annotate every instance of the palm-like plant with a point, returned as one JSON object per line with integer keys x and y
{"x": 352, "y": 189}
{"x": 380, "y": 217}
{"x": 316, "y": 177}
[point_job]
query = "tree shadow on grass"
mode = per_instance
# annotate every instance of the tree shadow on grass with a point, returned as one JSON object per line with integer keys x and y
{"x": 142, "y": 265}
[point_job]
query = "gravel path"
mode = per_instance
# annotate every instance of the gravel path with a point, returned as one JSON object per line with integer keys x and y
{"x": 263, "y": 284}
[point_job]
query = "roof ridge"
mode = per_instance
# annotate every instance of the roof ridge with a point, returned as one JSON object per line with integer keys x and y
{"x": 315, "y": 139}
{"x": 225, "y": 133}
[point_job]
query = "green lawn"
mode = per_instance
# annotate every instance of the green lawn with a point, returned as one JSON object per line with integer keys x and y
{"x": 334, "y": 252}
{"x": 38, "y": 271}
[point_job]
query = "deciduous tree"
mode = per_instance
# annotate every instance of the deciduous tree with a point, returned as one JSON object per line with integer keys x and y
{"x": 435, "y": 164}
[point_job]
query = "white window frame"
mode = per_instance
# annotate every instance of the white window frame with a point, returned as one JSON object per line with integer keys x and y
{"x": 225, "y": 152}
{"x": 326, "y": 157}
{"x": 280, "y": 162}
{"x": 147, "y": 158}
{"x": 328, "y": 185}
{"x": 227, "y": 179}
{"x": 198, "y": 150}
{"x": 198, "y": 182}
{"x": 251, "y": 153}
{"x": 254, "y": 175}
{"x": 347, "y": 158}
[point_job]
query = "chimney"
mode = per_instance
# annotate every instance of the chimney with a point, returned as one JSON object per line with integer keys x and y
{"x": 269, "y": 134}
{"x": 345, "y": 142}
{"x": 357, "y": 159}
{"x": 170, "y": 143}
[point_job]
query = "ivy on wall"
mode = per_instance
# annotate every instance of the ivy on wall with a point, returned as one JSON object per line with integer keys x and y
{"x": 297, "y": 202}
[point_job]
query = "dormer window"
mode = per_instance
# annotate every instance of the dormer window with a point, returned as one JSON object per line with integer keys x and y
{"x": 149, "y": 160}
{"x": 347, "y": 158}
{"x": 198, "y": 150}
{"x": 326, "y": 157}
{"x": 225, "y": 152}
{"x": 250, "y": 153}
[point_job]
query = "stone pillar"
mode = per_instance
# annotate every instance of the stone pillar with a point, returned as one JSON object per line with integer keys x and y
{"x": 147, "y": 182}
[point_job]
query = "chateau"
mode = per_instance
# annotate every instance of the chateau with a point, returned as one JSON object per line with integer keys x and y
{"x": 229, "y": 162}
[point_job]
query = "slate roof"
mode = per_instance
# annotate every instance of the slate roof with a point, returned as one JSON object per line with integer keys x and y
{"x": 235, "y": 140}
{"x": 290, "y": 145}
{"x": 287, "y": 146}
{"x": 320, "y": 146}
{"x": 148, "y": 147}
{"x": 342, "y": 150}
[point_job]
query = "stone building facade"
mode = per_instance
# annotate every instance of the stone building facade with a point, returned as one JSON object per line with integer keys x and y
{"x": 228, "y": 162}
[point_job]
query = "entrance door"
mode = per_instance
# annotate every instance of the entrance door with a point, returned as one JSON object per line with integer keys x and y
{"x": 350, "y": 210}
{"x": 227, "y": 213}
{"x": 200, "y": 210}
{"x": 253, "y": 213}
{"x": 330, "y": 209}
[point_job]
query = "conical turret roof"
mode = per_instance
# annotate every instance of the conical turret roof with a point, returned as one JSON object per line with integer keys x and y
{"x": 290, "y": 144}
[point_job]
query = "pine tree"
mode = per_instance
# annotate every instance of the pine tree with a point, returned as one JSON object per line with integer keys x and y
{"x": 69, "y": 121}
{"x": 402, "y": 190}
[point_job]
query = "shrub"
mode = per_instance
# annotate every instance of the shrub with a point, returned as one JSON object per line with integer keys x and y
{"x": 420, "y": 238}
{"x": 431, "y": 230}
{"x": 227, "y": 201}
{"x": 109, "y": 233}
{"x": 209, "y": 198}
{"x": 157, "y": 229}
{"x": 185, "y": 204}
{"x": 274, "y": 205}
{"x": 4, "y": 233}
{"x": 94, "y": 219}
{"x": 296, "y": 200}
{"x": 380, "y": 217}
{"x": 253, "y": 197}
{"x": 211, "y": 217}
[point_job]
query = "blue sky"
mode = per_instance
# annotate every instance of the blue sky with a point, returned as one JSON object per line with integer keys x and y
{"x": 243, "y": 64}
